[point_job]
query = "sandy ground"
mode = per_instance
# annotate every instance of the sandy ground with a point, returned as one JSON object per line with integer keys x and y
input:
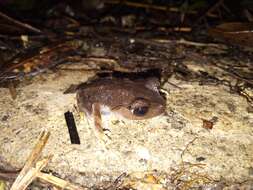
{"x": 226, "y": 151}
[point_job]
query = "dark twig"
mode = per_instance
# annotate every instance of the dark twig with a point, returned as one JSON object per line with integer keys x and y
{"x": 237, "y": 89}
{"x": 24, "y": 25}
{"x": 210, "y": 10}
{"x": 117, "y": 182}
{"x": 147, "y": 6}
{"x": 233, "y": 74}
{"x": 187, "y": 146}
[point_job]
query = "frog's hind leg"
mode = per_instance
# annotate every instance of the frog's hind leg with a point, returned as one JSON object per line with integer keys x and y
{"x": 97, "y": 117}
{"x": 98, "y": 124}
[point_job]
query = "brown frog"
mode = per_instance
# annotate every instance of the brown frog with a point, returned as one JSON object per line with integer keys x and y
{"x": 132, "y": 99}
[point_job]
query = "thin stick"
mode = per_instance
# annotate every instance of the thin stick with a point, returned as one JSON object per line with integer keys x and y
{"x": 36, "y": 57}
{"x": 147, "y": 6}
{"x": 34, "y": 156}
{"x": 210, "y": 10}
{"x": 187, "y": 146}
{"x": 24, "y": 25}
{"x": 30, "y": 175}
{"x": 186, "y": 42}
{"x": 32, "y": 169}
{"x": 58, "y": 182}
{"x": 233, "y": 74}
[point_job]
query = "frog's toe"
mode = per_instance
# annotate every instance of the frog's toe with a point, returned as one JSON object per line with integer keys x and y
{"x": 105, "y": 138}
{"x": 102, "y": 134}
{"x": 107, "y": 133}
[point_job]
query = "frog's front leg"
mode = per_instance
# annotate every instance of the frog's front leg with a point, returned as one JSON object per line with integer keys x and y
{"x": 98, "y": 123}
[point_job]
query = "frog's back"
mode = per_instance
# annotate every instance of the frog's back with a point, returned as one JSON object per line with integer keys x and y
{"x": 101, "y": 82}
{"x": 109, "y": 92}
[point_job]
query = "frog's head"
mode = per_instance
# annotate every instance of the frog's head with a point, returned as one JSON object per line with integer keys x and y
{"x": 146, "y": 103}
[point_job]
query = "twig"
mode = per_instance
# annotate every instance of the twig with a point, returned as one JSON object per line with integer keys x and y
{"x": 25, "y": 173}
{"x": 117, "y": 182}
{"x": 58, "y": 182}
{"x": 32, "y": 169}
{"x": 186, "y": 42}
{"x": 162, "y": 42}
{"x": 31, "y": 174}
{"x": 175, "y": 29}
{"x": 37, "y": 37}
{"x": 43, "y": 57}
{"x": 187, "y": 146}
{"x": 111, "y": 63}
{"x": 147, "y": 6}
{"x": 210, "y": 10}
{"x": 24, "y": 25}
{"x": 99, "y": 59}
{"x": 233, "y": 74}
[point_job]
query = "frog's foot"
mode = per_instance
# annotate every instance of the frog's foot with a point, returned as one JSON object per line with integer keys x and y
{"x": 107, "y": 133}
{"x": 102, "y": 134}
{"x": 104, "y": 138}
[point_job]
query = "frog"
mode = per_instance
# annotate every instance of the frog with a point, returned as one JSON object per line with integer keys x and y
{"x": 137, "y": 99}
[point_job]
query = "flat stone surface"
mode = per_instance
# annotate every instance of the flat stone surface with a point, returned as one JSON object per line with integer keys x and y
{"x": 226, "y": 150}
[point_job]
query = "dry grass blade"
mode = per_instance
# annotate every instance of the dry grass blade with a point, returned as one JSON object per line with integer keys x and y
{"x": 58, "y": 182}
{"x": 26, "y": 172}
{"x": 32, "y": 169}
{"x": 31, "y": 174}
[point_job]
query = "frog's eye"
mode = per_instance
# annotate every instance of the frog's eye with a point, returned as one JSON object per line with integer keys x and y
{"x": 139, "y": 107}
{"x": 140, "y": 111}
